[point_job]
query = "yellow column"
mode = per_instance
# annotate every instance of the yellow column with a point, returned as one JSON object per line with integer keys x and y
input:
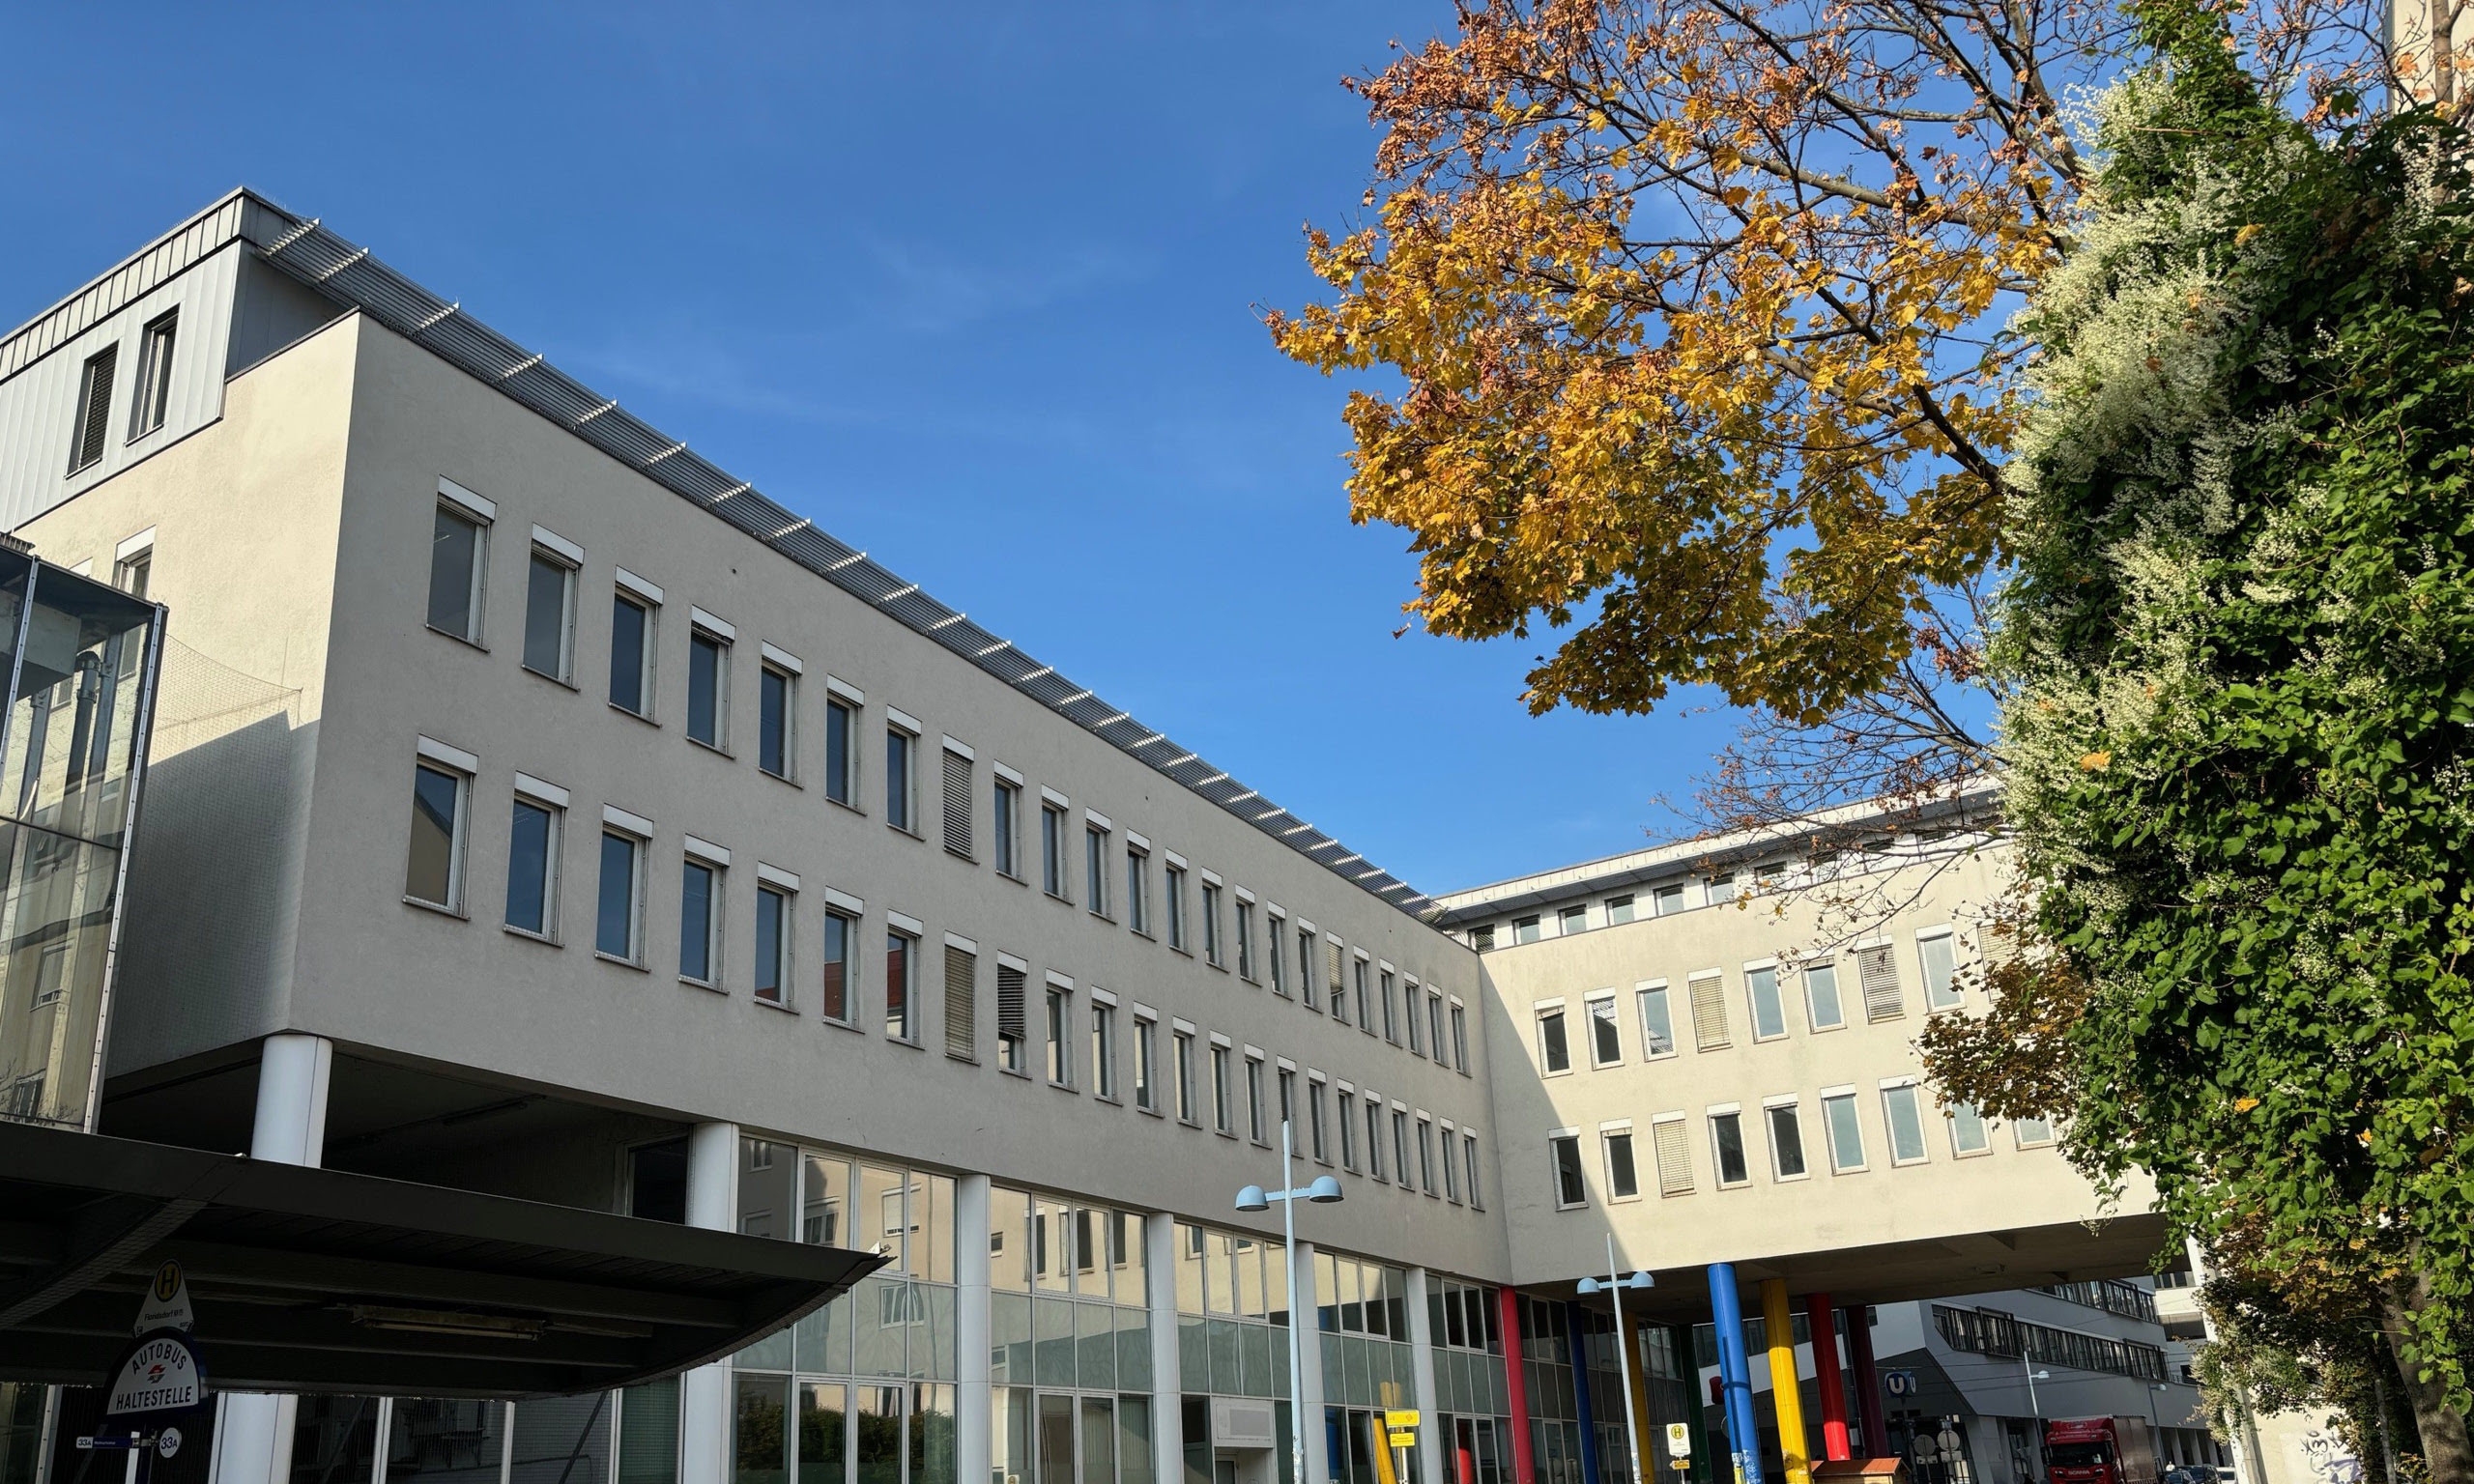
{"x": 1786, "y": 1392}
{"x": 1654, "y": 1466}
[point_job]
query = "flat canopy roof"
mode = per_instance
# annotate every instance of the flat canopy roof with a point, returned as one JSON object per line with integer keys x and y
{"x": 311, "y": 1280}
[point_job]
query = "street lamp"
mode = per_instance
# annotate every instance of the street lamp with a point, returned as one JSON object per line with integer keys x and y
{"x": 1322, "y": 1192}
{"x": 2032, "y": 1377}
{"x": 1614, "y": 1283}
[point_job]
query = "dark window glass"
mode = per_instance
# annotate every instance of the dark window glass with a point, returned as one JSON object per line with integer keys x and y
{"x": 1551, "y": 1047}
{"x": 429, "y": 872}
{"x": 545, "y": 616}
{"x": 773, "y": 723}
{"x": 455, "y": 546}
{"x": 1569, "y": 1190}
{"x": 705, "y": 690}
{"x": 1728, "y": 1131}
{"x": 898, "y": 961}
{"x": 696, "y": 921}
{"x": 771, "y": 907}
{"x": 527, "y": 868}
{"x": 628, "y": 621}
{"x": 837, "y": 751}
{"x": 899, "y": 746}
{"x": 1621, "y": 1178}
{"x": 614, "y": 931}
{"x": 838, "y": 946}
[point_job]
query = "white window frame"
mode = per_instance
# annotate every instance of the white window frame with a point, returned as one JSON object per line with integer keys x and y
{"x": 1812, "y": 1014}
{"x": 1057, "y": 1030}
{"x": 1005, "y": 820}
{"x": 1983, "y": 1129}
{"x": 914, "y": 735}
{"x": 638, "y": 830}
{"x": 1146, "y": 1061}
{"x": 1641, "y": 992}
{"x": 1769, "y": 1137}
{"x": 1539, "y": 1013}
{"x": 1958, "y": 998}
{"x": 786, "y": 667}
{"x": 1710, "y": 1117}
{"x": 553, "y": 799}
{"x": 1607, "y": 1133}
{"x": 1590, "y": 1007}
{"x": 1099, "y": 859}
{"x": 482, "y": 515}
{"x": 852, "y": 703}
{"x": 786, "y": 886}
{"x": 648, "y": 597}
{"x": 552, "y": 549}
{"x": 723, "y": 638}
{"x": 1753, "y": 1005}
{"x": 717, "y": 860}
{"x": 1889, "y": 1122}
{"x": 2019, "y": 1134}
{"x": 455, "y": 763}
{"x": 1555, "y": 1167}
{"x": 1846, "y": 1092}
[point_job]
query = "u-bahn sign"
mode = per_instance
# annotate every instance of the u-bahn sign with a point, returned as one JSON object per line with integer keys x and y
{"x": 158, "y": 1375}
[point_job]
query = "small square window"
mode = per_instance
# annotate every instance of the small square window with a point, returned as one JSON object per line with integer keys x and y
{"x": 1524, "y": 930}
{"x": 1619, "y": 909}
{"x": 1571, "y": 919}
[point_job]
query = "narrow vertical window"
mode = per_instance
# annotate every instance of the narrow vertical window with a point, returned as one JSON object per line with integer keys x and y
{"x": 776, "y": 712}
{"x": 1374, "y": 1137}
{"x": 1147, "y": 1065}
{"x": 1469, "y": 1148}
{"x": 1401, "y": 1146}
{"x": 700, "y": 920}
{"x": 1061, "y": 1036}
{"x": 1176, "y": 893}
{"x": 1605, "y": 1037}
{"x": 772, "y": 944}
{"x": 618, "y": 903}
{"x": 1103, "y": 1049}
{"x": 1005, "y": 820}
{"x": 1450, "y": 1168}
{"x": 134, "y": 573}
{"x": 631, "y": 654}
{"x": 1877, "y": 975}
{"x": 1726, "y": 1137}
{"x": 959, "y": 839}
{"x": 1317, "y": 1136}
{"x": 901, "y": 980}
{"x": 1276, "y": 953}
{"x": 1623, "y": 1178}
{"x": 961, "y": 1002}
{"x": 1095, "y": 869}
{"x": 1821, "y": 996}
{"x": 550, "y": 615}
{"x": 1786, "y": 1141}
{"x": 1052, "y": 850}
{"x": 433, "y": 864}
{"x": 1348, "y": 1129}
{"x": 1708, "y": 992}
{"x": 1434, "y": 1023}
{"x": 840, "y": 973}
{"x": 1222, "y": 1103}
{"x": 455, "y": 550}
{"x": 1414, "y": 1002}
{"x": 89, "y": 435}
{"x": 1182, "y": 1050}
{"x": 1564, "y": 1151}
{"x": 902, "y": 783}
{"x": 841, "y": 759}
{"x": 1307, "y": 993}
{"x": 153, "y": 394}
{"x": 1554, "y": 1051}
{"x": 1212, "y": 947}
{"x": 1287, "y": 1082}
{"x": 1254, "y": 1115}
{"x": 1460, "y": 1038}
{"x": 708, "y": 675}
{"x": 533, "y": 868}
{"x": 1391, "y": 991}
{"x": 1137, "y": 888}
{"x": 1365, "y": 998}
{"x": 1901, "y": 1110}
{"x": 1425, "y": 1155}
{"x": 1768, "y": 1013}
{"x": 1245, "y": 939}
{"x": 1934, "y": 953}
{"x": 1657, "y": 1021}
{"x": 1968, "y": 1135}
{"x": 1013, "y": 1014}
{"x": 1671, "y": 1140}
{"x": 1846, "y": 1135}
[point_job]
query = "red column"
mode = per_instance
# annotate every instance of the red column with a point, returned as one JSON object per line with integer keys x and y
{"x": 1868, "y": 1381}
{"x": 1827, "y": 1378}
{"x": 1524, "y": 1466}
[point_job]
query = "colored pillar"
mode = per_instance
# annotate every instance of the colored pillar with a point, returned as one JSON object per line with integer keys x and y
{"x": 1786, "y": 1388}
{"x": 1644, "y": 1431}
{"x": 1868, "y": 1381}
{"x": 1524, "y": 1462}
{"x": 1828, "y": 1378}
{"x": 1572, "y": 1321}
{"x": 1743, "y": 1434}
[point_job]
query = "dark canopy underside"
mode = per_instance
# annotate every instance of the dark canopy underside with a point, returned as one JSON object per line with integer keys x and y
{"x": 317, "y": 1280}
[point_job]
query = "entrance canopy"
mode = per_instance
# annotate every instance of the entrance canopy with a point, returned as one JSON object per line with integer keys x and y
{"x": 311, "y": 1280}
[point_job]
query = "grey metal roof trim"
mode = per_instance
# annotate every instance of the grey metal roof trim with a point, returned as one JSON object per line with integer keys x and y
{"x": 351, "y": 275}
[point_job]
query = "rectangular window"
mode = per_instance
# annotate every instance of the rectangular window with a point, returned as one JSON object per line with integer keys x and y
{"x": 961, "y": 1002}
{"x": 1667, "y": 900}
{"x": 1005, "y": 818}
{"x": 1401, "y": 1147}
{"x": 91, "y": 432}
{"x": 1223, "y": 1096}
{"x": 840, "y": 755}
{"x": 1904, "y": 1113}
{"x": 533, "y": 868}
{"x": 708, "y": 680}
{"x": 1671, "y": 1139}
{"x": 433, "y": 864}
{"x": 1571, "y": 919}
{"x": 1317, "y": 1135}
{"x": 901, "y": 780}
{"x": 1095, "y": 869}
{"x": 1605, "y": 1038}
{"x": 1365, "y": 995}
{"x": 1450, "y": 1168}
{"x": 1524, "y": 930}
{"x": 2033, "y": 1132}
{"x": 631, "y": 654}
{"x": 1619, "y": 909}
{"x": 1425, "y": 1155}
{"x": 1012, "y": 1015}
{"x": 154, "y": 396}
{"x": 1657, "y": 1021}
{"x": 1052, "y": 850}
{"x": 457, "y": 546}
{"x": 1821, "y": 996}
{"x": 1967, "y": 1133}
{"x": 777, "y": 693}
{"x": 1061, "y": 1036}
{"x": 1245, "y": 940}
{"x": 1786, "y": 1141}
{"x": 1565, "y": 1150}
{"x": 1137, "y": 888}
{"x": 1846, "y": 1134}
{"x": 699, "y": 922}
{"x": 1482, "y": 937}
{"x": 1374, "y": 1138}
{"x": 1339, "y": 981}
{"x": 1726, "y": 1138}
{"x": 1935, "y": 953}
{"x": 1710, "y": 1013}
{"x": 1390, "y": 989}
{"x": 1413, "y": 1000}
{"x": 841, "y": 975}
{"x": 1876, "y": 971}
{"x": 1768, "y": 1015}
{"x": 772, "y": 944}
{"x": 1554, "y": 1052}
{"x": 134, "y": 573}
{"x": 1212, "y": 947}
{"x": 1182, "y": 1050}
{"x": 1721, "y": 890}
{"x": 1349, "y": 1129}
{"x": 1146, "y": 1064}
{"x": 901, "y": 978}
{"x": 1477, "y": 1191}
{"x": 1622, "y": 1180}
{"x": 1103, "y": 1049}
{"x": 619, "y": 913}
{"x": 550, "y": 615}
{"x": 1287, "y": 1097}
{"x": 1435, "y": 1025}
{"x": 1176, "y": 896}
{"x": 955, "y": 814}
{"x": 1460, "y": 1038}
{"x": 1305, "y": 991}
{"x": 1256, "y": 1116}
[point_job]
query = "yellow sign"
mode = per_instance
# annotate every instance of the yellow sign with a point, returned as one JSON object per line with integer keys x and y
{"x": 1396, "y": 1420}
{"x": 1404, "y": 1440}
{"x": 1679, "y": 1439}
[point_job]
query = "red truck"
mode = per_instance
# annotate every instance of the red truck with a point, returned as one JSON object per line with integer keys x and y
{"x": 2100, "y": 1450}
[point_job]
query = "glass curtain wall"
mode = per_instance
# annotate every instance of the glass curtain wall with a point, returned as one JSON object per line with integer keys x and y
{"x": 1069, "y": 1362}
{"x": 1361, "y": 1311}
{"x": 1232, "y": 1338}
{"x": 1469, "y": 1390}
{"x": 79, "y": 659}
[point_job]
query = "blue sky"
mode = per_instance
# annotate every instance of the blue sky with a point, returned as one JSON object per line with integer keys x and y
{"x": 975, "y": 287}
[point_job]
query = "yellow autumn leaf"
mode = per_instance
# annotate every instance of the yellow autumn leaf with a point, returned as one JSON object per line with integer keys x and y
{"x": 2095, "y": 763}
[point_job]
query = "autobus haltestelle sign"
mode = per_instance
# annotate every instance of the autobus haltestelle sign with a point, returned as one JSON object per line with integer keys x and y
{"x": 161, "y": 1373}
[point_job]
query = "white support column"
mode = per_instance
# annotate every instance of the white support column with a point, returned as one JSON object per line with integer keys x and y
{"x": 1305, "y": 1310}
{"x": 253, "y": 1429}
{"x": 974, "y": 1328}
{"x": 1168, "y": 1409}
{"x": 1431, "y": 1443}
{"x": 704, "y": 1392}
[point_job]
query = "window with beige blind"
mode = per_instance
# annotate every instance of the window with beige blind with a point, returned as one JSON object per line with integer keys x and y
{"x": 1710, "y": 1013}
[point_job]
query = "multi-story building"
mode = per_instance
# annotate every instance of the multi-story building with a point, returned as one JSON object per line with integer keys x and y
{"x": 539, "y": 810}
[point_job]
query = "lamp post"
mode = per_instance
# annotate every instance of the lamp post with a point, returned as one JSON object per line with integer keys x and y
{"x": 1323, "y": 1192}
{"x": 2036, "y": 1409}
{"x": 1614, "y": 1284}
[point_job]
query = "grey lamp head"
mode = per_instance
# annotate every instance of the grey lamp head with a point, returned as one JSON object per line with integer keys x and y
{"x": 1252, "y": 1198}
{"x": 1324, "y": 1191}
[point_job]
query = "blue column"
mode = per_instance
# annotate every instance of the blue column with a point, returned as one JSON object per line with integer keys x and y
{"x": 1743, "y": 1434}
{"x": 1580, "y": 1394}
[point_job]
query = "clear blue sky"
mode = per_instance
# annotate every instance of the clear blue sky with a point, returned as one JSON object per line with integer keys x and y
{"x": 972, "y": 286}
